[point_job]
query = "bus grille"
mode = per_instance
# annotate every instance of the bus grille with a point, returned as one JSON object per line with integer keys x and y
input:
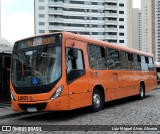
{"x": 39, "y": 106}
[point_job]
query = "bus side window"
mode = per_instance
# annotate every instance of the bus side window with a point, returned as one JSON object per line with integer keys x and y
{"x": 144, "y": 65}
{"x": 74, "y": 64}
{"x": 150, "y": 64}
{"x": 130, "y": 60}
{"x": 96, "y": 57}
{"x": 123, "y": 59}
{"x": 136, "y": 63}
{"x": 139, "y": 62}
{"x": 113, "y": 59}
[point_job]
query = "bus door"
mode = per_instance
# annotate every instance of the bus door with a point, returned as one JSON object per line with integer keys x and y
{"x": 77, "y": 78}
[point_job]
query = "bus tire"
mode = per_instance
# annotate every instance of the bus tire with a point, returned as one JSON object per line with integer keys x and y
{"x": 97, "y": 100}
{"x": 141, "y": 92}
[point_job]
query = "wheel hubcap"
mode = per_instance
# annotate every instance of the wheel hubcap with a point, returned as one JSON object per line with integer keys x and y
{"x": 142, "y": 93}
{"x": 96, "y": 100}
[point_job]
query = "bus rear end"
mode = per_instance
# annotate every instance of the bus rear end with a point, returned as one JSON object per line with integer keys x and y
{"x": 36, "y": 75}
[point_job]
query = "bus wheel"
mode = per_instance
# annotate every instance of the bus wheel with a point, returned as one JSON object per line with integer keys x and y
{"x": 97, "y": 100}
{"x": 141, "y": 92}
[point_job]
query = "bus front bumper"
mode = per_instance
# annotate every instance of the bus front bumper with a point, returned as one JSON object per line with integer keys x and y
{"x": 59, "y": 104}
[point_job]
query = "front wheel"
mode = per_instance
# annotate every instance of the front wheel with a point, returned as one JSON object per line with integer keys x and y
{"x": 97, "y": 100}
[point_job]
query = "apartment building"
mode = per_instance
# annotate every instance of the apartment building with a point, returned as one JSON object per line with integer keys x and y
{"x": 148, "y": 25}
{"x": 157, "y": 30}
{"x": 137, "y": 44}
{"x": 107, "y": 20}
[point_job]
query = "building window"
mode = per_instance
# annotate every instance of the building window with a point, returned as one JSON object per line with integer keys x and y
{"x": 76, "y": 2}
{"x": 41, "y": 31}
{"x": 41, "y": 7}
{"x": 41, "y": 0}
{"x": 94, "y": 3}
{"x": 121, "y": 5}
{"x": 121, "y": 19}
{"x": 41, "y": 23}
{"x": 121, "y": 34}
{"x": 121, "y": 27}
{"x": 41, "y": 15}
{"x": 121, "y": 12}
{"x": 121, "y": 41}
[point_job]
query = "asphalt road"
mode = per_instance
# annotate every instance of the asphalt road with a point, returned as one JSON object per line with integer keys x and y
{"x": 128, "y": 111}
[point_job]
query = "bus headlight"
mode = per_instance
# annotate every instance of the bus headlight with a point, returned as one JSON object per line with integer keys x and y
{"x": 12, "y": 96}
{"x": 57, "y": 93}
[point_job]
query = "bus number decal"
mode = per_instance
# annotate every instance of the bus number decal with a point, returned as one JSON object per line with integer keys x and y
{"x": 22, "y": 98}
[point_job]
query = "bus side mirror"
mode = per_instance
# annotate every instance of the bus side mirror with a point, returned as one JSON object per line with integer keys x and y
{"x": 73, "y": 54}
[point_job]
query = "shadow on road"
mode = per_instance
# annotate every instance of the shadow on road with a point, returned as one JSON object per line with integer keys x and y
{"x": 69, "y": 115}
{"x": 123, "y": 101}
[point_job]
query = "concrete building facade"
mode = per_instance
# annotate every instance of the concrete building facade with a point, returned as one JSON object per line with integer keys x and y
{"x": 157, "y": 30}
{"x": 148, "y": 25}
{"x": 108, "y": 20}
{"x": 137, "y": 29}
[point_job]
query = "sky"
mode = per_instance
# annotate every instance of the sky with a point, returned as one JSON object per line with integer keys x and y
{"x": 17, "y": 18}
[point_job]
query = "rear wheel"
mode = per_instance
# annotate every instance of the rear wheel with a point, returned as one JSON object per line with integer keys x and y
{"x": 141, "y": 91}
{"x": 97, "y": 100}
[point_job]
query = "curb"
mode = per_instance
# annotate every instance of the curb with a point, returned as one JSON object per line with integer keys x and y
{"x": 19, "y": 114}
{"x": 13, "y": 115}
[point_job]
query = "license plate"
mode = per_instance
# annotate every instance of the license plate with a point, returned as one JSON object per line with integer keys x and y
{"x": 31, "y": 109}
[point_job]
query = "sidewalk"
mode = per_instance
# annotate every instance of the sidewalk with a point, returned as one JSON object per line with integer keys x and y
{"x": 6, "y": 111}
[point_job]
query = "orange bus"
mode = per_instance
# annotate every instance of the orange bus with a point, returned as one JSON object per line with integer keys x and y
{"x": 65, "y": 71}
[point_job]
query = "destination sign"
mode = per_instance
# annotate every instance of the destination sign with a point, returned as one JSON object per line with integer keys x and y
{"x": 41, "y": 40}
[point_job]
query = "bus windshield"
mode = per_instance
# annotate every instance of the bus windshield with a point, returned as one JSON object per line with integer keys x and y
{"x": 36, "y": 66}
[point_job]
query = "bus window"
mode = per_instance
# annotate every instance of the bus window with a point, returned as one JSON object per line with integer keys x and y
{"x": 135, "y": 61}
{"x": 96, "y": 57}
{"x": 123, "y": 59}
{"x": 137, "y": 64}
{"x": 113, "y": 60}
{"x": 129, "y": 61}
{"x": 144, "y": 65}
{"x": 75, "y": 64}
{"x": 147, "y": 60}
{"x": 150, "y": 64}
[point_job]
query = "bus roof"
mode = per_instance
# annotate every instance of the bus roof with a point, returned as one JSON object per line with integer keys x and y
{"x": 106, "y": 44}
{"x": 96, "y": 42}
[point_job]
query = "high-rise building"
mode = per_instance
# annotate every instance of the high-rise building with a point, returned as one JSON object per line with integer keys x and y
{"x": 137, "y": 44}
{"x": 148, "y": 25}
{"x": 140, "y": 31}
{"x": 108, "y": 20}
{"x": 157, "y": 30}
